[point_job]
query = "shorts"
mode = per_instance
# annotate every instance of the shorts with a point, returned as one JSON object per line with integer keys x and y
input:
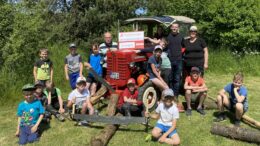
{"x": 233, "y": 109}
{"x": 195, "y": 96}
{"x": 165, "y": 129}
{"x": 91, "y": 79}
{"x": 73, "y": 78}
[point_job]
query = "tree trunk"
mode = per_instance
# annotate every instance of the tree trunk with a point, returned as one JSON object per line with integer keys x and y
{"x": 236, "y": 133}
{"x": 106, "y": 134}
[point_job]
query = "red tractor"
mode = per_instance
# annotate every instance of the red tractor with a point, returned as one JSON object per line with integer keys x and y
{"x": 126, "y": 63}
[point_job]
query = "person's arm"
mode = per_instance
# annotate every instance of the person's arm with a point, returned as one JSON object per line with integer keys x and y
{"x": 240, "y": 98}
{"x": 173, "y": 127}
{"x": 157, "y": 74}
{"x": 153, "y": 115}
{"x": 206, "y": 56}
{"x": 80, "y": 67}
{"x": 51, "y": 74}
{"x": 35, "y": 127}
{"x": 202, "y": 88}
{"x": 187, "y": 86}
{"x": 61, "y": 110}
{"x": 49, "y": 98}
{"x": 18, "y": 127}
{"x": 127, "y": 99}
{"x": 35, "y": 73}
{"x": 155, "y": 41}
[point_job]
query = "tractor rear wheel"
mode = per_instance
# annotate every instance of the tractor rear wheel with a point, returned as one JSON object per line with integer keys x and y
{"x": 149, "y": 95}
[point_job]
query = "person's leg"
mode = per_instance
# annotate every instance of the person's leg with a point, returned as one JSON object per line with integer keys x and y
{"x": 32, "y": 137}
{"x": 126, "y": 109}
{"x": 84, "y": 108}
{"x": 93, "y": 88}
{"x": 188, "y": 98}
{"x": 23, "y": 135}
{"x": 156, "y": 132}
{"x": 73, "y": 78}
{"x": 222, "y": 101}
{"x": 52, "y": 110}
{"x": 201, "y": 96}
{"x": 176, "y": 71}
{"x": 239, "y": 107}
{"x": 159, "y": 84}
{"x": 174, "y": 139}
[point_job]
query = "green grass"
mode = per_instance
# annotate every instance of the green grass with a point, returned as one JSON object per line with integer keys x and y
{"x": 192, "y": 133}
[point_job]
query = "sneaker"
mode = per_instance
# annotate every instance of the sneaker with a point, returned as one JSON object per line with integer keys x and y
{"x": 60, "y": 117}
{"x": 188, "y": 112}
{"x": 221, "y": 117}
{"x": 201, "y": 111}
{"x": 148, "y": 137}
{"x": 237, "y": 123}
{"x": 83, "y": 123}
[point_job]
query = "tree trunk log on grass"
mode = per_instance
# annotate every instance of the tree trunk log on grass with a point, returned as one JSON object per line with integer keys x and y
{"x": 236, "y": 133}
{"x": 106, "y": 134}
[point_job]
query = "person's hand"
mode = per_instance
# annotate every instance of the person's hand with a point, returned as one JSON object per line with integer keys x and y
{"x": 236, "y": 88}
{"x": 147, "y": 114}
{"x": 87, "y": 65}
{"x": 61, "y": 110}
{"x": 137, "y": 51}
{"x": 162, "y": 139}
{"x": 34, "y": 129}
{"x": 146, "y": 38}
{"x": 67, "y": 77}
{"x": 206, "y": 66}
{"x": 17, "y": 133}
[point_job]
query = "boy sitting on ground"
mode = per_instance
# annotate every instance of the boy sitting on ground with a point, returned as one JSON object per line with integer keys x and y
{"x": 236, "y": 102}
{"x": 80, "y": 97}
{"x": 30, "y": 113}
{"x": 195, "y": 86}
{"x": 167, "y": 113}
{"x": 128, "y": 102}
{"x": 55, "y": 102}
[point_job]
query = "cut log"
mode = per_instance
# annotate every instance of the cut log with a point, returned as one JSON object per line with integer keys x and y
{"x": 245, "y": 118}
{"x": 106, "y": 134}
{"x": 96, "y": 97}
{"x": 236, "y": 133}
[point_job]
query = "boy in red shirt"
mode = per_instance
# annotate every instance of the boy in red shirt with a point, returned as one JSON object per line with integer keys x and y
{"x": 128, "y": 101}
{"x": 195, "y": 85}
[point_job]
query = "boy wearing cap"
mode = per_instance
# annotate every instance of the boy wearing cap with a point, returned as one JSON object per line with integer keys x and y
{"x": 195, "y": 85}
{"x": 80, "y": 97}
{"x": 128, "y": 101}
{"x": 73, "y": 66}
{"x": 153, "y": 68}
{"x": 167, "y": 113}
{"x": 30, "y": 113}
{"x": 237, "y": 101}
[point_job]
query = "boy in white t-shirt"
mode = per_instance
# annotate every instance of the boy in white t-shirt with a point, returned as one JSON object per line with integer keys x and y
{"x": 167, "y": 113}
{"x": 80, "y": 97}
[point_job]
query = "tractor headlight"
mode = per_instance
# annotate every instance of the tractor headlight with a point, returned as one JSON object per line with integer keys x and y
{"x": 132, "y": 65}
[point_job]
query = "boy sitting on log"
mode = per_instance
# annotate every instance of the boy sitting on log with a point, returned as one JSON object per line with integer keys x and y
{"x": 236, "y": 102}
{"x": 195, "y": 87}
{"x": 167, "y": 113}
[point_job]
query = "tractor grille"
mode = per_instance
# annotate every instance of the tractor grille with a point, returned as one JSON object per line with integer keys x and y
{"x": 117, "y": 64}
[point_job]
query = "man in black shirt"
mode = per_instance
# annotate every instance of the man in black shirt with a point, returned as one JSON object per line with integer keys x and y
{"x": 175, "y": 45}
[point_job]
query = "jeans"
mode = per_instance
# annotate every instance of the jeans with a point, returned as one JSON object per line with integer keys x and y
{"x": 176, "y": 76}
{"x": 26, "y": 136}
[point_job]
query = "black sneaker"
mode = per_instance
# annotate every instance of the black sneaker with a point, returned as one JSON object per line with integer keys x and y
{"x": 221, "y": 117}
{"x": 237, "y": 123}
{"x": 201, "y": 111}
{"x": 83, "y": 123}
{"x": 60, "y": 117}
{"x": 188, "y": 112}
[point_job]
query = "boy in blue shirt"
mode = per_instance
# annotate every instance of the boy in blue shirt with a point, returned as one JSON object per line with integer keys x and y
{"x": 237, "y": 100}
{"x": 30, "y": 113}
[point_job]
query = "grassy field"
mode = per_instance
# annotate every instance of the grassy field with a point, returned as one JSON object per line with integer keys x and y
{"x": 195, "y": 132}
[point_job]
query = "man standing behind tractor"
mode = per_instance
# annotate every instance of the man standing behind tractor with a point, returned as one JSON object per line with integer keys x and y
{"x": 108, "y": 45}
{"x": 175, "y": 44}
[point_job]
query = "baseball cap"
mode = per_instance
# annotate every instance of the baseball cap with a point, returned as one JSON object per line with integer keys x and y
{"x": 195, "y": 69}
{"x": 131, "y": 81}
{"x": 167, "y": 92}
{"x": 72, "y": 45}
{"x": 158, "y": 47}
{"x": 193, "y": 28}
{"x": 81, "y": 79}
{"x": 38, "y": 83}
{"x": 28, "y": 87}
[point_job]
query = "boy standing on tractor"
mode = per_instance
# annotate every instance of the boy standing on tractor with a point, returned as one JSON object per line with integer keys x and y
{"x": 30, "y": 113}
{"x": 95, "y": 63}
{"x": 167, "y": 113}
{"x": 80, "y": 97}
{"x": 55, "y": 102}
{"x": 128, "y": 102}
{"x": 236, "y": 102}
{"x": 195, "y": 87}
{"x": 43, "y": 68}
{"x": 73, "y": 66}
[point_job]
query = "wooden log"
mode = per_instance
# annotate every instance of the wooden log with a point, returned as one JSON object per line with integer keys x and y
{"x": 106, "y": 134}
{"x": 96, "y": 97}
{"x": 245, "y": 117}
{"x": 236, "y": 133}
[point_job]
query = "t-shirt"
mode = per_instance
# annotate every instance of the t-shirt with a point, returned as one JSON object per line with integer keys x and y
{"x": 166, "y": 63}
{"x": 197, "y": 83}
{"x": 103, "y": 50}
{"x": 43, "y": 69}
{"x": 157, "y": 64}
{"x": 73, "y": 62}
{"x": 29, "y": 112}
{"x": 95, "y": 62}
{"x": 80, "y": 97}
{"x": 167, "y": 114}
{"x": 194, "y": 53}
{"x": 55, "y": 93}
{"x": 229, "y": 88}
{"x": 175, "y": 44}
{"x": 128, "y": 94}
{"x": 42, "y": 98}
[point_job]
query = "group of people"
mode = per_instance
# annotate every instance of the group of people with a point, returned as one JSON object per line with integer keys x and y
{"x": 164, "y": 67}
